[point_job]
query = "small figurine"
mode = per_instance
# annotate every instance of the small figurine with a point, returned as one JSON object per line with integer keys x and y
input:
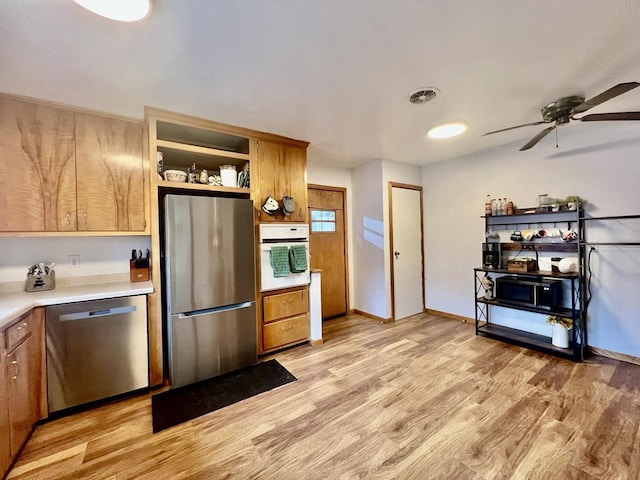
{"x": 487, "y": 284}
{"x": 193, "y": 176}
{"x": 204, "y": 176}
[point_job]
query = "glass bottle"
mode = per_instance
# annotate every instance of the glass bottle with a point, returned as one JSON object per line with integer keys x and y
{"x": 488, "y": 210}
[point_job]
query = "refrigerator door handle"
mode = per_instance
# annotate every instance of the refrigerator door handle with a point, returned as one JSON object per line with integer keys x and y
{"x": 207, "y": 311}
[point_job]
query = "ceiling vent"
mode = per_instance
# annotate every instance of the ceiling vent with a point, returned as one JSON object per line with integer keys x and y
{"x": 423, "y": 95}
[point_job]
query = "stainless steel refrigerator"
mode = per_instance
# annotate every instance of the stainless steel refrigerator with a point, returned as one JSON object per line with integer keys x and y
{"x": 209, "y": 286}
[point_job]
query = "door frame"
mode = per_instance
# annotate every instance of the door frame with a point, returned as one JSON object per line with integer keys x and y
{"x": 345, "y": 224}
{"x": 390, "y": 195}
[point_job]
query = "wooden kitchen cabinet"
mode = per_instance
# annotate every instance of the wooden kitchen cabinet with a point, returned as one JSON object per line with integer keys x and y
{"x": 285, "y": 319}
{"x": 110, "y": 174}
{"x": 22, "y": 380}
{"x": 283, "y": 171}
{"x": 5, "y": 432}
{"x": 282, "y": 305}
{"x": 37, "y": 167}
{"x": 63, "y": 170}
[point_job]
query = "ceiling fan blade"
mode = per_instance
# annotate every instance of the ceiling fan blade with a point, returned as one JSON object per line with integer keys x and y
{"x": 603, "y": 117}
{"x": 511, "y": 128}
{"x": 537, "y": 138}
{"x": 604, "y": 96}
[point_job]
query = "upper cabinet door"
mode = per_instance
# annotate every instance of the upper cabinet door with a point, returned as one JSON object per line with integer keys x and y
{"x": 37, "y": 167}
{"x": 110, "y": 174}
{"x": 282, "y": 170}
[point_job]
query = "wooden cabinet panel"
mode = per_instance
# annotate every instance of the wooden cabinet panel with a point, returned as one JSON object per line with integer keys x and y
{"x": 110, "y": 174}
{"x": 25, "y": 384}
{"x": 17, "y": 332}
{"x": 282, "y": 171}
{"x": 5, "y": 450}
{"x": 37, "y": 167}
{"x": 283, "y": 332}
{"x": 283, "y": 305}
{"x": 21, "y": 395}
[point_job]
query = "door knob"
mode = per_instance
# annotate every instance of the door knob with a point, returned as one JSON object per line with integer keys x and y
{"x": 396, "y": 254}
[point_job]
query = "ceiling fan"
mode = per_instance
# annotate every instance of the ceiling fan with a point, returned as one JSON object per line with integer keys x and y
{"x": 564, "y": 109}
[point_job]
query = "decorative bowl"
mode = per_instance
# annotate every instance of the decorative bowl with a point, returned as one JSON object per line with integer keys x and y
{"x": 175, "y": 176}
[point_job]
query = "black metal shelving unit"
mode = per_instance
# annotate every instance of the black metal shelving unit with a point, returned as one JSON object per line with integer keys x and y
{"x": 576, "y": 311}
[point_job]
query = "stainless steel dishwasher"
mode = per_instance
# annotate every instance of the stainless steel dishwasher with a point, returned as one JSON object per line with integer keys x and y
{"x": 96, "y": 350}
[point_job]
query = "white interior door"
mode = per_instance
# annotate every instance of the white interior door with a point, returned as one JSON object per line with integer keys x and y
{"x": 406, "y": 251}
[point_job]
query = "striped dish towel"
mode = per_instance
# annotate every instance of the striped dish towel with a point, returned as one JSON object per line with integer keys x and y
{"x": 279, "y": 257}
{"x": 298, "y": 258}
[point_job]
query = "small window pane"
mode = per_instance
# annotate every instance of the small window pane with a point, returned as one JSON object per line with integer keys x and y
{"x": 323, "y": 215}
{"x": 323, "y": 226}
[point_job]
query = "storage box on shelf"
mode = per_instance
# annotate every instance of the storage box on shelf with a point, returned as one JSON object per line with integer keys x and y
{"x": 574, "y": 308}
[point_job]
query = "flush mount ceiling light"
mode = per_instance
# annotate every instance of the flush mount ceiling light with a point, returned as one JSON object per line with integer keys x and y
{"x": 121, "y": 10}
{"x": 447, "y": 130}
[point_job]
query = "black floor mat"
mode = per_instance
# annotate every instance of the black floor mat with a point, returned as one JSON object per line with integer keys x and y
{"x": 185, "y": 403}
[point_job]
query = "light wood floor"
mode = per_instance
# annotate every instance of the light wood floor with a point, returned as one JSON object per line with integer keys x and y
{"x": 422, "y": 398}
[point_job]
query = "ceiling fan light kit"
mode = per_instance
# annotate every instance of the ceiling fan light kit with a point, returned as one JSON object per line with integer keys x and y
{"x": 564, "y": 109}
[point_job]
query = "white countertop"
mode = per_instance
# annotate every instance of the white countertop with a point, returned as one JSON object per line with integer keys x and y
{"x": 14, "y": 304}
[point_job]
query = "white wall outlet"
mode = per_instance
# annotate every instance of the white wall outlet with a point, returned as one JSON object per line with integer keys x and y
{"x": 74, "y": 261}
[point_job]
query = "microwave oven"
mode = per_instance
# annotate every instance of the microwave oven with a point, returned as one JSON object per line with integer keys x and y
{"x": 537, "y": 292}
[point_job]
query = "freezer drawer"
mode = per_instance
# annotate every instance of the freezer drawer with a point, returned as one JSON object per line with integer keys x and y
{"x": 210, "y": 343}
{"x": 96, "y": 350}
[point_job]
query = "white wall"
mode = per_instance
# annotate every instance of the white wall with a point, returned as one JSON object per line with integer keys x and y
{"x": 598, "y": 162}
{"x": 337, "y": 177}
{"x": 370, "y": 290}
{"x": 98, "y": 255}
{"x": 371, "y": 253}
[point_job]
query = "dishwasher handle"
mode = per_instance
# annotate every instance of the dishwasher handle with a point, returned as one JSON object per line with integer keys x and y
{"x": 106, "y": 312}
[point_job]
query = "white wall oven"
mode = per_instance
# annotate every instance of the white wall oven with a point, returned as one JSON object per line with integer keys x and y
{"x": 284, "y": 255}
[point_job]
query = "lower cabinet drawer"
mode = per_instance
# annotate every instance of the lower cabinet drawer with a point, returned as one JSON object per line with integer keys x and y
{"x": 285, "y": 305}
{"x": 285, "y": 331}
{"x": 17, "y": 332}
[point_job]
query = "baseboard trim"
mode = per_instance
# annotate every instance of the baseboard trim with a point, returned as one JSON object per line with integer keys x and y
{"x": 601, "y": 352}
{"x": 316, "y": 343}
{"x": 452, "y": 316}
{"x": 373, "y": 317}
{"x": 623, "y": 357}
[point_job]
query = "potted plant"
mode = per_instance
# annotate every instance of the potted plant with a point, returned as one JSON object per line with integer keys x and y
{"x": 573, "y": 202}
{"x": 560, "y": 330}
